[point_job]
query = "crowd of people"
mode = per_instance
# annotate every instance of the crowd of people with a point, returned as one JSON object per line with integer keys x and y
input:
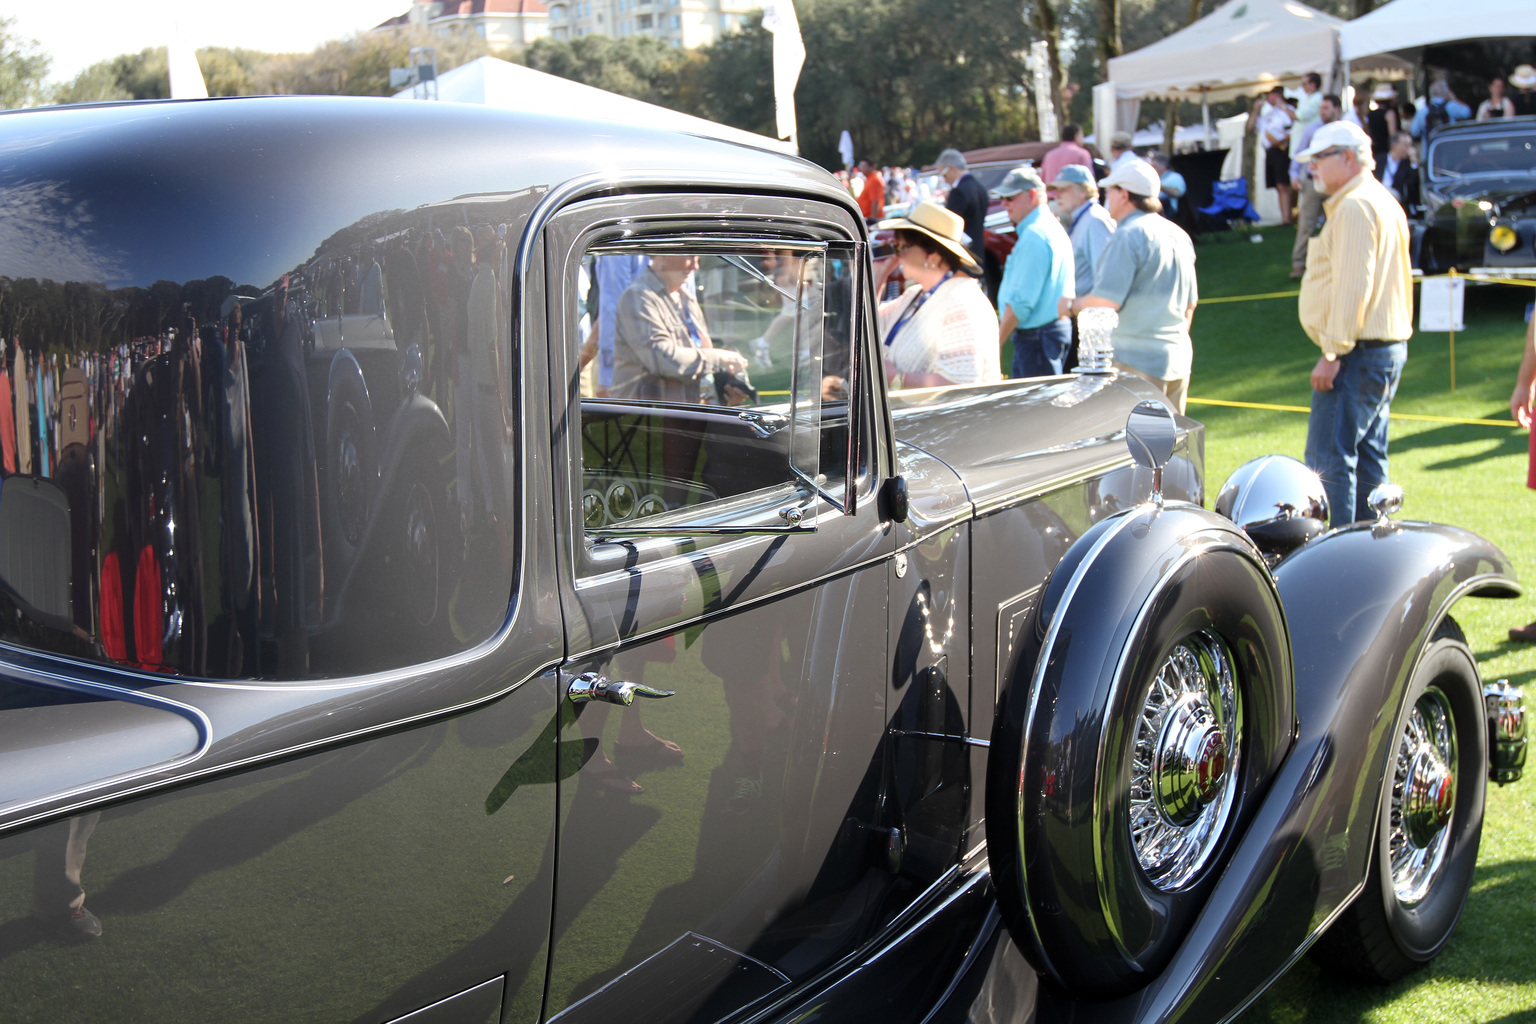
{"x": 1079, "y": 242}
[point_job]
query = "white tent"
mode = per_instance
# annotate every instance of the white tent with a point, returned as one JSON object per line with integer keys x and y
{"x": 499, "y": 83}
{"x": 1242, "y": 48}
{"x": 1405, "y": 26}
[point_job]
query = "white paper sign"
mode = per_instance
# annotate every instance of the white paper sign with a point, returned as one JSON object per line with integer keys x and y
{"x": 1440, "y": 304}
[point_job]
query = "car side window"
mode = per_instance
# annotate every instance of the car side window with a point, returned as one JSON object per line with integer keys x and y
{"x": 712, "y": 394}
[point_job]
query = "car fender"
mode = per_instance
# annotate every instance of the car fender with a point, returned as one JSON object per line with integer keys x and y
{"x": 1361, "y": 604}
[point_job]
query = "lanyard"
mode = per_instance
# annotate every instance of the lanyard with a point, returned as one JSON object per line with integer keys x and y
{"x": 693, "y": 328}
{"x": 911, "y": 310}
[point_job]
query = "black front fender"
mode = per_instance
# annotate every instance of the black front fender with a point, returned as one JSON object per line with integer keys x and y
{"x": 1361, "y": 603}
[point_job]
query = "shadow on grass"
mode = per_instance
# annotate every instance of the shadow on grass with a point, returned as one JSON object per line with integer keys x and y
{"x": 1455, "y": 434}
{"x": 1480, "y": 953}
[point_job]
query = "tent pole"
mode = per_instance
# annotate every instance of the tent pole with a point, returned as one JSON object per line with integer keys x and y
{"x": 1205, "y": 117}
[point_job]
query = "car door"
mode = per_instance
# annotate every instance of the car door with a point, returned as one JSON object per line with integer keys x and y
{"x": 722, "y": 840}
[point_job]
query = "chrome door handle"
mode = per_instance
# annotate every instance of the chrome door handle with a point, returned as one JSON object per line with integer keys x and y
{"x": 591, "y": 686}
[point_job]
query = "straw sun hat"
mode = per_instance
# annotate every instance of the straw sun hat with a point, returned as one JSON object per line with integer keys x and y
{"x": 939, "y": 224}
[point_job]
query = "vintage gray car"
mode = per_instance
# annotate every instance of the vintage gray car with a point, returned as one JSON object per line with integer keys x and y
{"x": 1479, "y": 188}
{"x": 359, "y": 661}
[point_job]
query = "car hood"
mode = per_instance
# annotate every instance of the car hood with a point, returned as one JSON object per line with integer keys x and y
{"x": 1510, "y": 193}
{"x": 1023, "y": 437}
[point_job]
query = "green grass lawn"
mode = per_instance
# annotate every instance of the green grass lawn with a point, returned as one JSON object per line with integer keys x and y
{"x": 1469, "y": 475}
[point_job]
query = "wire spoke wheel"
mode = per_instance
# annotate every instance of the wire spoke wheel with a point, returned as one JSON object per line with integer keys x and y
{"x": 1185, "y": 761}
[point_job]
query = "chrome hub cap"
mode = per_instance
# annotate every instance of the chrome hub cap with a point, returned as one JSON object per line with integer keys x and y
{"x": 1423, "y": 797}
{"x": 1183, "y": 770}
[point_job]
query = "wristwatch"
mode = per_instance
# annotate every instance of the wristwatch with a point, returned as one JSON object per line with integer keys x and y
{"x": 1329, "y": 357}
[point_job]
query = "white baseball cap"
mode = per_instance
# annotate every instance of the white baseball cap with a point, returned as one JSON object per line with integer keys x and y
{"x": 1136, "y": 176}
{"x": 1335, "y": 135}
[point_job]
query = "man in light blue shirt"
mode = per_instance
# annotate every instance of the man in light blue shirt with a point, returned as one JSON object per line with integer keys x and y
{"x": 1036, "y": 278}
{"x": 1147, "y": 274}
{"x": 1089, "y": 225}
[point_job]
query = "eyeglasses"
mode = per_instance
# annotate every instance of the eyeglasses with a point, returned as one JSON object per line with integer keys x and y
{"x": 898, "y": 247}
{"x": 1325, "y": 154}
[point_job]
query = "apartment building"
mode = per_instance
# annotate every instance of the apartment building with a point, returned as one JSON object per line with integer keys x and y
{"x": 685, "y": 23}
{"x": 503, "y": 24}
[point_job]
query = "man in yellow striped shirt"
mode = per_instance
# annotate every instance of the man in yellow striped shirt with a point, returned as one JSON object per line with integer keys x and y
{"x": 1357, "y": 306}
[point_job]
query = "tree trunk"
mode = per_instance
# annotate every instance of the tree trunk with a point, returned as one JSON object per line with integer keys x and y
{"x": 1050, "y": 30}
{"x": 1250, "y": 155}
{"x": 1109, "y": 34}
{"x": 1171, "y": 117}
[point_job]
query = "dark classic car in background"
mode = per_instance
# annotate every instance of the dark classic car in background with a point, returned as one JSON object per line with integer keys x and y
{"x": 326, "y": 599}
{"x": 1479, "y": 190}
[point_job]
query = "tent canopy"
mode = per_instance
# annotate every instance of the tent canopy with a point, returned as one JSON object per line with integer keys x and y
{"x": 1241, "y": 48}
{"x": 500, "y": 83}
{"x": 1408, "y": 25}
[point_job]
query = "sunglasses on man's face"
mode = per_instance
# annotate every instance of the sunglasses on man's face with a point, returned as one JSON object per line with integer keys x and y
{"x": 1325, "y": 154}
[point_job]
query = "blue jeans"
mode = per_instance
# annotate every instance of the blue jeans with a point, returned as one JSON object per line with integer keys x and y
{"x": 1041, "y": 351}
{"x": 1347, "y": 431}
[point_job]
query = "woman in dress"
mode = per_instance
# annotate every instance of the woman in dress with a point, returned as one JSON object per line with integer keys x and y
{"x": 1497, "y": 104}
{"x": 941, "y": 329}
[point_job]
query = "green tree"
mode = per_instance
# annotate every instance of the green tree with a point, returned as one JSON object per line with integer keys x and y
{"x": 909, "y": 77}
{"x": 22, "y": 68}
{"x": 637, "y": 66}
{"x": 358, "y": 66}
{"x": 731, "y": 81}
{"x": 130, "y": 76}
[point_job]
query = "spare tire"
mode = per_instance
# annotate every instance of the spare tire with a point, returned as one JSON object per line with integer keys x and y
{"x": 1133, "y": 743}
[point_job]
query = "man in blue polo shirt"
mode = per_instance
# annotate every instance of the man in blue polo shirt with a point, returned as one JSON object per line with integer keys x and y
{"x": 1036, "y": 278}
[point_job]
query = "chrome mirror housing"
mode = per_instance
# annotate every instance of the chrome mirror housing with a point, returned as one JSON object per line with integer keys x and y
{"x": 1277, "y": 501}
{"x": 1151, "y": 434}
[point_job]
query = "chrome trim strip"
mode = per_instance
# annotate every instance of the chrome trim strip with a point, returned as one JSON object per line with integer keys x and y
{"x": 972, "y": 956}
{"x": 1237, "y": 1011}
{"x": 1037, "y": 678}
{"x": 978, "y": 877}
{"x": 48, "y": 680}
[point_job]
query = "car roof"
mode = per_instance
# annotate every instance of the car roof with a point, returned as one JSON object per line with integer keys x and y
{"x": 264, "y": 172}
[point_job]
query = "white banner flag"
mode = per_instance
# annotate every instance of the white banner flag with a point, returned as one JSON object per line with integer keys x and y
{"x": 788, "y": 57}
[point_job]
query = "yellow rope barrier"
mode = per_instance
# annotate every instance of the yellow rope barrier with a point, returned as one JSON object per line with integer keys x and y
{"x": 1248, "y": 298}
{"x": 1395, "y": 415}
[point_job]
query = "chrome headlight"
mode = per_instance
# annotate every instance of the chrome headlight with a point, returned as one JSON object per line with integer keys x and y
{"x": 1278, "y": 502}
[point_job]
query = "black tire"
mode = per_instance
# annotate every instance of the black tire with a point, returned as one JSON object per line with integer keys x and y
{"x": 418, "y": 544}
{"x": 350, "y": 464}
{"x": 1382, "y": 936}
{"x": 1081, "y": 877}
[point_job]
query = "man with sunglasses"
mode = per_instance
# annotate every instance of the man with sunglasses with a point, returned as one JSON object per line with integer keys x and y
{"x": 1357, "y": 306}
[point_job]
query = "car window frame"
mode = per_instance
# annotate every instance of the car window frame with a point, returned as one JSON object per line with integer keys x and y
{"x": 667, "y": 216}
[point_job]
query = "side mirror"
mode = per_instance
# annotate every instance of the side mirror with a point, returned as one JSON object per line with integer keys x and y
{"x": 1151, "y": 433}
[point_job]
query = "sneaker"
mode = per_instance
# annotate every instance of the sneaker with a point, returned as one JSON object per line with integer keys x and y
{"x": 749, "y": 790}
{"x": 84, "y": 923}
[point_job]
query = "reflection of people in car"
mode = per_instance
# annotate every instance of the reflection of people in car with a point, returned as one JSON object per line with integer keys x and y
{"x": 58, "y": 898}
{"x": 662, "y": 349}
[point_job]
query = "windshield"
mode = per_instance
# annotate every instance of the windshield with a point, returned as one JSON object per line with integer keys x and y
{"x": 1503, "y": 154}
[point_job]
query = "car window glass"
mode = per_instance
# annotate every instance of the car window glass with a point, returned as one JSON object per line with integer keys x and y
{"x": 715, "y": 394}
{"x": 1505, "y": 154}
{"x": 299, "y": 479}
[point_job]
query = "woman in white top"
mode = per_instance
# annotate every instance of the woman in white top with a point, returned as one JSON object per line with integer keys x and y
{"x": 941, "y": 329}
{"x": 1497, "y": 104}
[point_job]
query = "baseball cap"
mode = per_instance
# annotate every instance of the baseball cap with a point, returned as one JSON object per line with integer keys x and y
{"x": 1020, "y": 179}
{"x": 1073, "y": 174}
{"x": 1135, "y": 176}
{"x": 1334, "y": 135}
